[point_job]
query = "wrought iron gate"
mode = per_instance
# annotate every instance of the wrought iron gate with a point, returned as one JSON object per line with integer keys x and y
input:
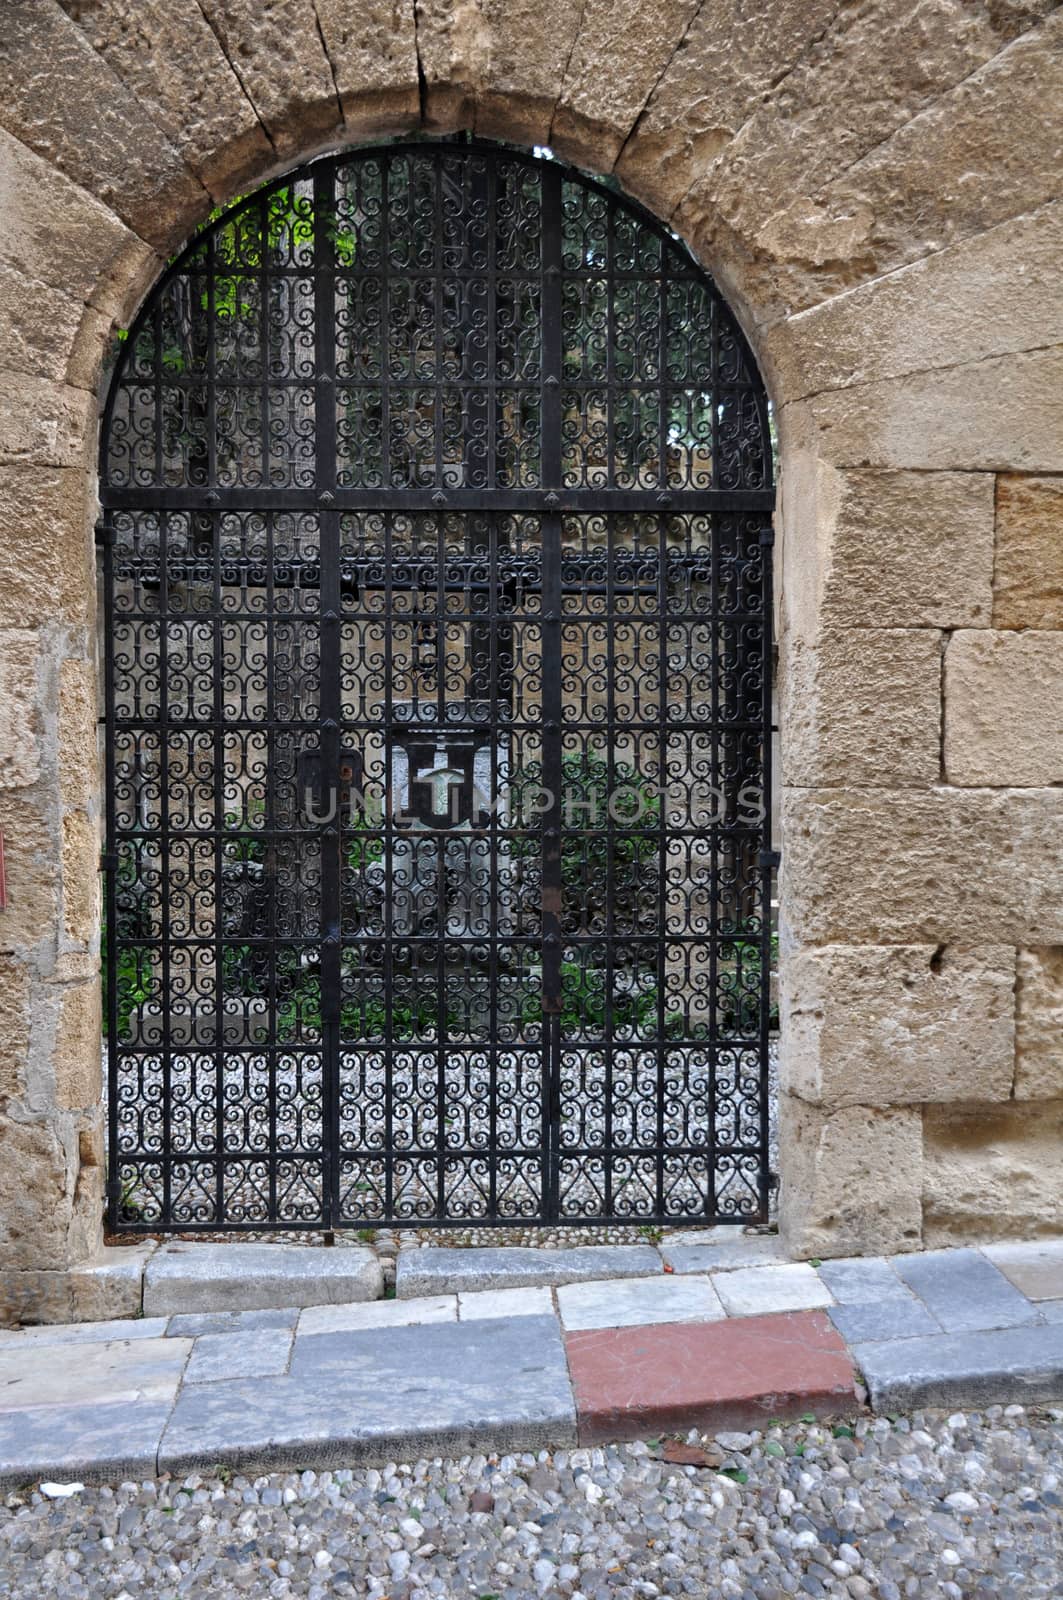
{"x": 436, "y": 575}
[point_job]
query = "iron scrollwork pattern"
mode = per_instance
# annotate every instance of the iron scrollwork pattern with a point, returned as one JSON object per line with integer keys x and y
{"x": 437, "y": 495}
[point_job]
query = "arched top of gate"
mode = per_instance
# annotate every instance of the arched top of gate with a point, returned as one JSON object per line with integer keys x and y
{"x": 435, "y": 319}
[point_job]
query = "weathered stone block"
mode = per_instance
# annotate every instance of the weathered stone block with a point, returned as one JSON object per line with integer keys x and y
{"x": 283, "y": 67}
{"x": 441, "y": 1271}
{"x": 862, "y": 707}
{"x": 77, "y": 1047}
{"x": 44, "y": 424}
{"x": 14, "y": 1026}
{"x": 731, "y": 56}
{"x": 868, "y": 74}
{"x": 899, "y": 1024}
{"x": 78, "y": 732}
{"x": 905, "y": 549}
{"x": 35, "y": 1195}
{"x": 31, "y": 855}
{"x": 55, "y": 232}
{"x": 169, "y": 58}
{"x": 372, "y": 50}
{"x": 81, "y": 876}
{"x": 920, "y": 317}
{"x": 851, "y": 1179}
{"x": 1004, "y": 708}
{"x": 20, "y": 725}
{"x": 1003, "y": 412}
{"x": 44, "y": 529}
{"x": 63, "y": 101}
{"x": 596, "y": 111}
{"x": 40, "y": 324}
{"x": 1028, "y": 575}
{"x": 1039, "y": 1024}
{"x": 992, "y": 1172}
{"x": 879, "y": 866}
{"x": 245, "y": 1277}
{"x": 808, "y": 222}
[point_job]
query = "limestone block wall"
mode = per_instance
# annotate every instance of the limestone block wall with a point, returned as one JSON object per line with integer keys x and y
{"x": 876, "y": 188}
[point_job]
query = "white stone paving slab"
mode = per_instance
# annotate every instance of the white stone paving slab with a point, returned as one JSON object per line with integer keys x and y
{"x": 244, "y": 1277}
{"x": 757, "y": 1291}
{"x": 116, "y": 1370}
{"x": 257, "y": 1353}
{"x": 1035, "y": 1267}
{"x": 533, "y": 1302}
{"x": 636, "y": 1302}
{"x": 83, "y": 1332}
{"x": 378, "y": 1314}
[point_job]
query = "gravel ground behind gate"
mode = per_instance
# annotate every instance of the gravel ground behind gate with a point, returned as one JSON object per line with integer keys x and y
{"x": 961, "y": 1506}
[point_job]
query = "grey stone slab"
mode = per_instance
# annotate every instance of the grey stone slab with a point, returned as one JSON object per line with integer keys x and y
{"x": 964, "y": 1291}
{"x": 194, "y": 1323}
{"x": 66, "y": 1333}
{"x": 754, "y": 1251}
{"x": 116, "y": 1370}
{"x": 1034, "y": 1267}
{"x": 384, "y": 1394}
{"x": 252, "y": 1277}
{"x": 1015, "y": 1365}
{"x": 885, "y": 1319}
{"x": 440, "y": 1271}
{"x": 638, "y": 1302}
{"x": 255, "y": 1353}
{"x": 861, "y": 1280}
{"x": 94, "y": 1443}
{"x": 1050, "y": 1310}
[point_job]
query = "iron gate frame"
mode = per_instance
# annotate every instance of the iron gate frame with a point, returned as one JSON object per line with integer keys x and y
{"x": 329, "y": 499}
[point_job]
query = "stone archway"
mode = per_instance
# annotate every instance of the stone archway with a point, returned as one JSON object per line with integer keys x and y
{"x": 893, "y": 269}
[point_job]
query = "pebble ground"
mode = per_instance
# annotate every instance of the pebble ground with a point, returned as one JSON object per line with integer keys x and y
{"x": 960, "y": 1506}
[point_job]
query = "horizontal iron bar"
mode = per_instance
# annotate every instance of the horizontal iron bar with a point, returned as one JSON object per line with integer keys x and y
{"x": 600, "y": 502}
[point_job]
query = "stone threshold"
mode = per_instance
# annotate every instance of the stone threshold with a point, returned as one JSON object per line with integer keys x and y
{"x": 153, "y": 1279}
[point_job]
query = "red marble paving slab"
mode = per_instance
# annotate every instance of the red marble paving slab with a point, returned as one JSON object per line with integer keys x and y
{"x": 630, "y": 1382}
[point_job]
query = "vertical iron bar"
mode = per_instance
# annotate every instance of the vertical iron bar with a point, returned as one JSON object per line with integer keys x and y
{"x": 110, "y": 953}
{"x": 662, "y": 820}
{"x": 330, "y": 707}
{"x": 765, "y": 858}
{"x": 552, "y": 707}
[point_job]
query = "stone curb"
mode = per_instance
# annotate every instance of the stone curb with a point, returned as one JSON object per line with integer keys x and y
{"x": 522, "y": 1368}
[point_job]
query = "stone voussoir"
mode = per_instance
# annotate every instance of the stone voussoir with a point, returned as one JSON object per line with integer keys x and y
{"x": 432, "y": 1271}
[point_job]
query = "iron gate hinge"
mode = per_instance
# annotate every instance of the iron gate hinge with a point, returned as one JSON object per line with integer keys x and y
{"x": 109, "y": 861}
{"x": 767, "y": 536}
{"x": 112, "y": 1189}
{"x": 104, "y": 534}
{"x": 770, "y": 858}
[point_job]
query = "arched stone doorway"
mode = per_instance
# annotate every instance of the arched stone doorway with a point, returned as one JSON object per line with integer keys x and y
{"x": 437, "y": 598}
{"x": 895, "y": 272}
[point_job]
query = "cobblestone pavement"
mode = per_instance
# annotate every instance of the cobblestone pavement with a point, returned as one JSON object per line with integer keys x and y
{"x": 959, "y": 1506}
